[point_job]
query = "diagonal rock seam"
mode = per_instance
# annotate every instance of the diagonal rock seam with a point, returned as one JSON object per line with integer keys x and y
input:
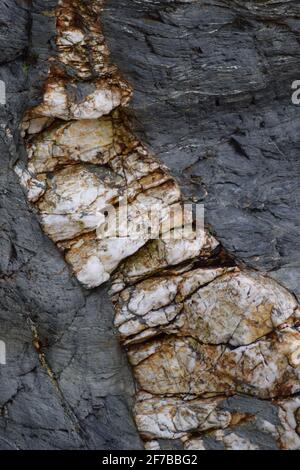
{"x": 199, "y": 330}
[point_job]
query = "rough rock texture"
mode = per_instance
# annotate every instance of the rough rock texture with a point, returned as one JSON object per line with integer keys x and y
{"x": 212, "y": 97}
{"x": 66, "y": 384}
{"x": 82, "y": 160}
{"x": 214, "y": 346}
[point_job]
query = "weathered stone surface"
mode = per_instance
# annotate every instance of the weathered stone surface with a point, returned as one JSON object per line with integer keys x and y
{"x": 81, "y": 83}
{"x": 94, "y": 101}
{"x": 212, "y": 98}
{"x": 72, "y": 197}
{"x": 237, "y": 423}
{"x": 214, "y": 306}
{"x": 159, "y": 254}
{"x": 214, "y": 348}
{"x": 81, "y": 168}
{"x": 268, "y": 368}
{"x": 66, "y": 384}
{"x": 90, "y": 141}
{"x": 173, "y": 418}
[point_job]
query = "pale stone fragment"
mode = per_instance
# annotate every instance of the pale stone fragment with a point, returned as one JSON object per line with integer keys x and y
{"x": 160, "y": 254}
{"x": 195, "y": 279}
{"x": 60, "y": 103}
{"x": 114, "y": 250}
{"x": 97, "y": 104}
{"x": 136, "y": 165}
{"x": 177, "y": 366}
{"x": 149, "y": 298}
{"x": 265, "y": 369}
{"x": 144, "y": 216}
{"x": 194, "y": 444}
{"x": 153, "y": 297}
{"x": 92, "y": 141}
{"x": 289, "y": 431}
{"x": 93, "y": 273}
{"x": 137, "y": 338}
{"x": 35, "y": 187}
{"x": 35, "y": 125}
{"x": 172, "y": 418}
{"x": 237, "y": 309}
{"x": 70, "y": 38}
{"x": 233, "y": 441}
{"x": 152, "y": 445}
{"x": 73, "y": 190}
{"x": 157, "y": 318}
{"x": 80, "y": 47}
{"x": 74, "y": 202}
{"x": 55, "y": 101}
{"x": 221, "y": 306}
{"x": 67, "y": 226}
{"x": 109, "y": 253}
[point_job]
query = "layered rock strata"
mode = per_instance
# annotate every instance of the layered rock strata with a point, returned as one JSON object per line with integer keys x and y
{"x": 203, "y": 335}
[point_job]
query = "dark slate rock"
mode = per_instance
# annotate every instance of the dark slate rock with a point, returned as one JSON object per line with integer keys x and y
{"x": 212, "y": 97}
{"x": 88, "y": 405}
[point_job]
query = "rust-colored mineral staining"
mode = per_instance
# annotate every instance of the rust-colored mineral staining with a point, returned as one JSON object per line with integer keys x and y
{"x": 196, "y": 332}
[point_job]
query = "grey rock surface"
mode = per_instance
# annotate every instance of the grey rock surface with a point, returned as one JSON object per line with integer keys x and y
{"x": 212, "y": 97}
{"x": 66, "y": 384}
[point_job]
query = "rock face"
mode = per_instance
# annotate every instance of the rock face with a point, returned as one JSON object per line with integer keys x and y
{"x": 214, "y": 345}
{"x": 212, "y": 98}
{"x": 65, "y": 384}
